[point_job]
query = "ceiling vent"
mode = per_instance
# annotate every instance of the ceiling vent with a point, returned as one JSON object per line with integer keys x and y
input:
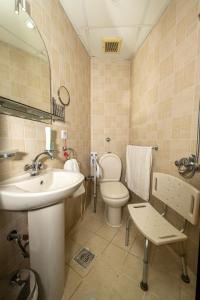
{"x": 112, "y": 45}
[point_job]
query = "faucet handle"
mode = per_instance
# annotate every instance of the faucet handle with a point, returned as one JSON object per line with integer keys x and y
{"x": 40, "y": 165}
{"x": 28, "y": 167}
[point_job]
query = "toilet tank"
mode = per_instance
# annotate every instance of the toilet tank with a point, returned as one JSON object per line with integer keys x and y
{"x": 111, "y": 167}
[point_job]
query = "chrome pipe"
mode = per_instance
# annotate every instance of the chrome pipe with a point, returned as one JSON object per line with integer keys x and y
{"x": 198, "y": 136}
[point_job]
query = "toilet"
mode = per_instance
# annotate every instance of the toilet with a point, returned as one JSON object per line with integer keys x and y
{"x": 113, "y": 192}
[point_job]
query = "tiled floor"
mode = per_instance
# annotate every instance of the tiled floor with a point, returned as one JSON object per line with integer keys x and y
{"x": 116, "y": 270}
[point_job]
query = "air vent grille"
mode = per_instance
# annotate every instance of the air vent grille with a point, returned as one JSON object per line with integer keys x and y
{"x": 112, "y": 45}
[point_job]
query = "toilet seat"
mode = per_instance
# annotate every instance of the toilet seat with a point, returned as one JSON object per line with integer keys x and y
{"x": 114, "y": 190}
{"x": 114, "y": 193}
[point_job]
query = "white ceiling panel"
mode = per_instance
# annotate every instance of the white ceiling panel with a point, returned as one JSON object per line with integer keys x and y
{"x": 155, "y": 10}
{"x": 130, "y": 20}
{"x": 106, "y": 13}
{"x": 75, "y": 12}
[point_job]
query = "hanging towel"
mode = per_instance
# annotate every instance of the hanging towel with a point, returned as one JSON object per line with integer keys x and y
{"x": 138, "y": 170}
{"x": 72, "y": 166}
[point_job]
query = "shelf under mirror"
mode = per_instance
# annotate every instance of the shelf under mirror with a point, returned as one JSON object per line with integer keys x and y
{"x": 16, "y": 109}
{"x": 8, "y": 153}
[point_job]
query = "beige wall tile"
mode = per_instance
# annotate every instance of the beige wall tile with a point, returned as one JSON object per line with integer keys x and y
{"x": 110, "y": 95}
{"x": 165, "y": 97}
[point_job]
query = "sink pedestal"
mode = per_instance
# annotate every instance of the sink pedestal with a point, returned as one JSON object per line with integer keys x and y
{"x": 47, "y": 249}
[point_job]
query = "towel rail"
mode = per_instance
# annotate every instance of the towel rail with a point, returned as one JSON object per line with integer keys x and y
{"x": 153, "y": 147}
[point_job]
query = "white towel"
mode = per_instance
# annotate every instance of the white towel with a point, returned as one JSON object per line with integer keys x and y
{"x": 72, "y": 165}
{"x": 138, "y": 170}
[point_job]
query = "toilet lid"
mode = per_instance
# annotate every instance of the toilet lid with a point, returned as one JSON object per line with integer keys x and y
{"x": 114, "y": 189}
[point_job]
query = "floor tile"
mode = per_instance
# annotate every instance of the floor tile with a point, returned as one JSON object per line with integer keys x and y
{"x": 119, "y": 239}
{"x": 81, "y": 235}
{"x": 107, "y": 232}
{"x": 150, "y": 296}
{"x": 132, "y": 267}
{"x": 114, "y": 257}
{"x": 138, "y": 247}
{"x": 96, "y": 244}
{"x": 127, "y": 288}
{"x": 73, "y": 280}
{"x": 164, "y": 285}
{"x": 187, "y": 293}
{"x": 166, "y": 261}
{"x": 92, "y": 223}
{"x": 97, "y": 285}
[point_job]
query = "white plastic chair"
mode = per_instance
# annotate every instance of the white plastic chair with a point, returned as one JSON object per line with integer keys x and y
{"x": 176, "y": 194}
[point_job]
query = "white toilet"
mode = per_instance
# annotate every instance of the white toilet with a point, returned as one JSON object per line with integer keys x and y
{"x": 113, "y": 192}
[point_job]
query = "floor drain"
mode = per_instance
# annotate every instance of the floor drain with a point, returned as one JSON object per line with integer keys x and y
{"x": 84, "y": 257}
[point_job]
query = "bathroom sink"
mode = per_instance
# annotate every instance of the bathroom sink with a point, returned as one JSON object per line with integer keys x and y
{"x": 31, "y": 192}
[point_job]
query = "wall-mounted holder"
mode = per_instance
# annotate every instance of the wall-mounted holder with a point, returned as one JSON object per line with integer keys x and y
{"x": 71, "y": 152}
{"x": 64, "y": 95}
{"x": 58, "y": 111}
{"x": 8, "y": 153}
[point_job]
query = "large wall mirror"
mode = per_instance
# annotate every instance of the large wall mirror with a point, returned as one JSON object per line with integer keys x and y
{"x": 24, "y": 62}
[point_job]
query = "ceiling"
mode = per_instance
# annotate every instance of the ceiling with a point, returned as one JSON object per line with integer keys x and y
{"x": 130, "y": 20}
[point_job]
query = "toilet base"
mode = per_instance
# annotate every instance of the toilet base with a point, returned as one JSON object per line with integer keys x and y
{"x": 114, "y": 216}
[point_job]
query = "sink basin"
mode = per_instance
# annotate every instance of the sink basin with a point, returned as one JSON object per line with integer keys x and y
{"x": 27, "y": 192}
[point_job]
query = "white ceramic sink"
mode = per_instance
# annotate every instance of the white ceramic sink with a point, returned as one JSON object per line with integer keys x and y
{"x": 31, "y": 192}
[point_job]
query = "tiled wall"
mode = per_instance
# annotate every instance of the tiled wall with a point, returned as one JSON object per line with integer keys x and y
{"x": 165, "y": 95}
{"x": 24, "y": 77}
{"x": 70, "y": 65}
{"x": 110, "y": 97}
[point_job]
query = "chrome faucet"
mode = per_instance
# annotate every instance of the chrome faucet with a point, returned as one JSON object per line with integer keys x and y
{"x": 37, "y": 165}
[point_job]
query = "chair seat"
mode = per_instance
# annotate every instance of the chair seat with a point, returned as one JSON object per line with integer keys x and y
{"x": 153, "y": 225}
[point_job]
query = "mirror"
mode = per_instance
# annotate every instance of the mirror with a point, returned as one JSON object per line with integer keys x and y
{"x": 24, "y": 62}
{"x": 63, "y": 95}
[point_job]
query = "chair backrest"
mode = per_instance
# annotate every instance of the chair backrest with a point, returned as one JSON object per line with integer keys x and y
{"x": 177, "y": 194}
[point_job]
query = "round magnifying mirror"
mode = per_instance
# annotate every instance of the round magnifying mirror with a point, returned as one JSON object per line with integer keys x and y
{"x": 63, "y": 95}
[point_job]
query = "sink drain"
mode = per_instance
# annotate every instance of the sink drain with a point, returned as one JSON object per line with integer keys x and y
{"x": 84, "y": 257}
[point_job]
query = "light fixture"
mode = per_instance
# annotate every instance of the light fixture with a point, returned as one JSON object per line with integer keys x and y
{"x": 23, "y": 4}
{"x": 29, "y": 24}
{"x": 17, "y": 6}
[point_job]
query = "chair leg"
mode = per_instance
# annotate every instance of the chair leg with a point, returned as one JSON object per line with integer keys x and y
{"x": 143, "y": 283}
{"x": 184, "y": 275}
{"x": 127, "y": 230}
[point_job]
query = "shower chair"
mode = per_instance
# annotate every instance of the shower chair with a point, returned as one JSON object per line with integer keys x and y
{"x": 176, "y": 194}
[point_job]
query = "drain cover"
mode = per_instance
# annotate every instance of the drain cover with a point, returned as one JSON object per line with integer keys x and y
{"x": 84, "y": 257}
